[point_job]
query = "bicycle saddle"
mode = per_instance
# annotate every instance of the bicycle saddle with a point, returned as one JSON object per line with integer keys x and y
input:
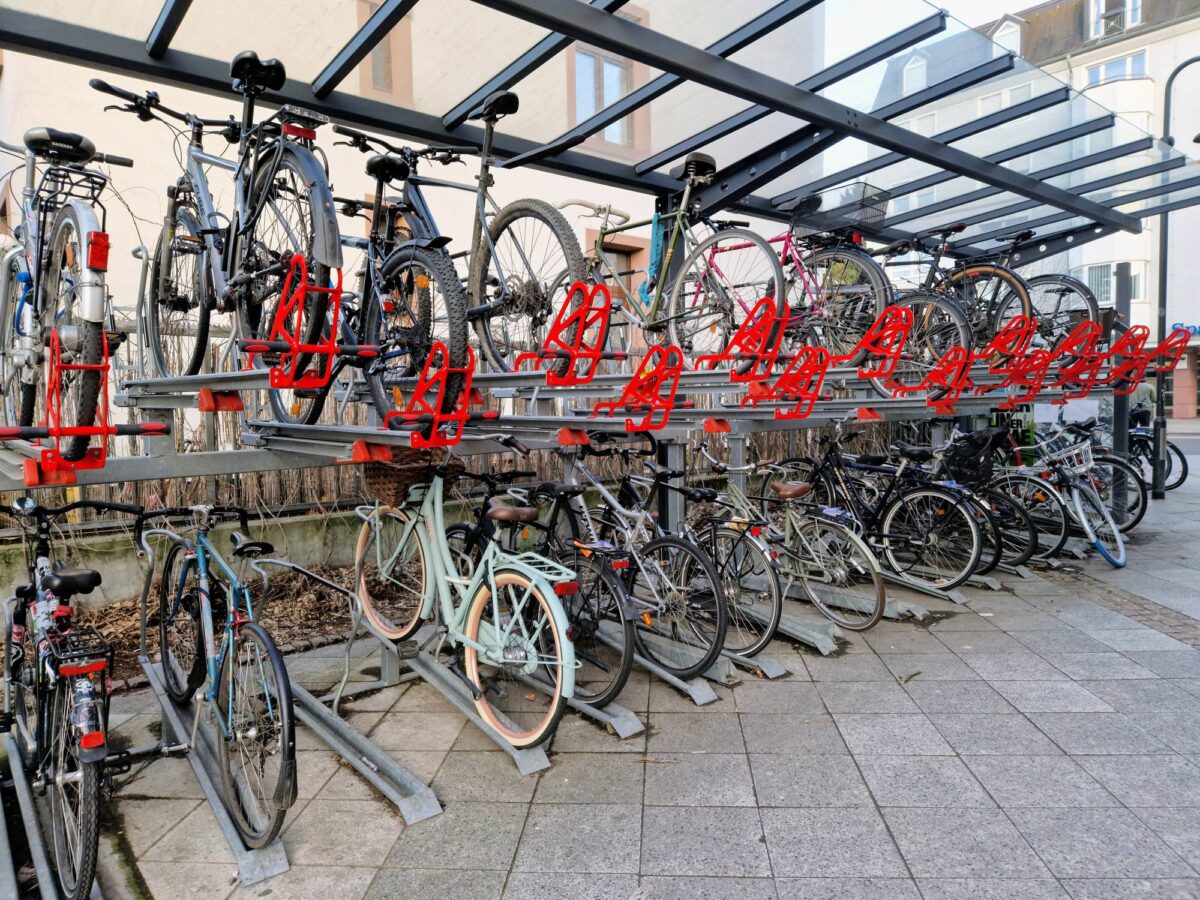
{"x": 496, "y": 106}
{"x": 244, "y": 548}
{"x": 502, "y": 512}
{"x": 65, "y": 146}
{"x": 700, "y": 495}
{"x": 1088, "y": 424}
{"x": 253, "y": 76}
{"x": 695, "y": 165}
{"x": 912, "y": 451}
{"x": 806, "y": 206}
{"x": 383, "y": 167}
{"x": 1018, "y": 238}
{"x": 791, "y": 490}
{"x": 67, "y": 582}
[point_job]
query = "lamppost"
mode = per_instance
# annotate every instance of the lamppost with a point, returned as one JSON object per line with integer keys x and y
{"x": 1158, "y": 485}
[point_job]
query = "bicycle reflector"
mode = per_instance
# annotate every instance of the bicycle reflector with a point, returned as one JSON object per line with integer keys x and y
{"x": 566, "y": 588}
{"x": 97, "y": 251}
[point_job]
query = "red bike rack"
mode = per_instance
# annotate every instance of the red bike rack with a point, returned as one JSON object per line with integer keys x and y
{"x": 1079, "y": 362}
{"x": 577, "y": 334}
{"x": 951, "y": 373}
{"x": 50, "y": 467}
{"x": 651, "y": 390}
{"x": 431, "y": 427}
{"x": 1167, "y": 354}
{"x": 1027, "y": 376}
{"x": 287, "y": 330}
{"x": 753, "y": 349}
{"x": 1009, "y": 346}
{"x": 883, "y": 341}
{"x": 800, "y": 383}
{"x": 1127, "y": 360}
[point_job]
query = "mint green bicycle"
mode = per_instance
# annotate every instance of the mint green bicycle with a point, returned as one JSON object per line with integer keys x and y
{"x": 504, "y": 622}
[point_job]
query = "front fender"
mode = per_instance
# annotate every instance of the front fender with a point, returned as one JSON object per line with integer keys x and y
{"x": 327, "y": 247}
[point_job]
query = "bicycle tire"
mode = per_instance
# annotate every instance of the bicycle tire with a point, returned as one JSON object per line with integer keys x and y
{"x": 538, "y": 305}
{"x": 75, "y": 871}
{"x": 531, "y": 728}
{"x": 985, "y": 323}
{"x": 1054, "y": 322}
{"x": 1046, "y": 507}
{"x": 185, "y": 362}
{"x": 176, "y": 608}
{"x": 992, "y": 545}
{"x": 462, "y": 539}
{"x": 259, "y": 827}
{"x": 698, "y": 277}
{"x": 1129, "y": 514}
{"x": 959, "y": 566}
{"x": 304, "y": 407}
{"x": 841, "y": 562}
{"x": 390, "y": 606}
{"x": 853, "y": 306}
{"x": 752, "y": 610}
{"x": 1178, "y": 471}
{"x": 1099, "y": 525}
{"x": 939, "y": 325}
{"x": 603, "y": 640}
{"x": 16, "y": 394}
{"x": 1018, "y": 534}
{"x": 690, "y": 659}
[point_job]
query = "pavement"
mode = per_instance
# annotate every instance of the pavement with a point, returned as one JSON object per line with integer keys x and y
{"x": 1042, "y": 741}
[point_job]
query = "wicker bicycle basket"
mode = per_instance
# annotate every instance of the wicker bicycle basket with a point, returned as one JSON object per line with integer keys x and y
{"x": 390, "y": 482}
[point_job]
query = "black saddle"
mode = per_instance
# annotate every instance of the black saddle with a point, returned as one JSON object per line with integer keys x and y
{"x": 244, "y": 548}
{"x": 68, "y": 582}
{"x": 912, "y": 451}
{"x": 382, "y": 167}
{"x": 810, "y": 205}
{"x": 695, "y": 165}
{"x": 62, "y": 146}
{"x": 496, "y": 106}
{"x": 253, "y": 76}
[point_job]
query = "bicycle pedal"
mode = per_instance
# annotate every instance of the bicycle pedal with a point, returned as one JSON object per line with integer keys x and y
{"x": 407, "y": 649}
{"x": 176, "y": 750}
{"x": 118, "y": 762}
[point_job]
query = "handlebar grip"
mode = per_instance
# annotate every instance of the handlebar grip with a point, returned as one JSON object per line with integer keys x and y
{"x": 139, "y": 429}
{"x": 114, "y": 160}
{"x": 104, "y": 87}
{"x": 31, "y": 433}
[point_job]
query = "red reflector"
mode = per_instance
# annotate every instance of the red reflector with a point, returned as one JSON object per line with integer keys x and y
{"x": 755, "y": 531}
{"x": 83, "y": 668}
{"x": 573, "y": 632}
{"x": 856, "y": 238}
{"x": 97, "y": 253}
{"x": 620, "y": 564}
{"x": 566, "y": 588}
{"x": 309, "y": 134}
{"x": 91, "y": 740}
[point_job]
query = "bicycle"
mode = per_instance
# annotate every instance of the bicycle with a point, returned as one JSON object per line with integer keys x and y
{"x": 206, "y": 261}
{"x": 54, "y": 277}
{"x": 506, "y": 619}
{"x": 723, "y": 276}
{"x": 248, "y": 693}
{"x": 56, "y": 693}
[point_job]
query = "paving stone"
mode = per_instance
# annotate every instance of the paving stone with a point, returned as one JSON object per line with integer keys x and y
{"x": 1144, "y": 639}
{"x": 890, "y": 734}
{"x": 311, "y": 883}
{"x": 957, "y": 697}
{"x": 204, "y": 881}
{"x": 362, "y": 722}
{"x": 967, "y": 642}
{"x": 1158, "y": 780}
{"x": 376, "y": 701}
{"x": 1111, "y": 665}
{"x": 666, "y": 887}
{"x": 695, "y": 733}
{"x": 591, "y": 778}
{"x": 421, "y": 697}
{"x": 804, "y": 779}
{"x": 197, "y": 838}
{"x": 664, "y": 698}
{"x": 701, "y": 779}
{"x": 1097, "y": 733}
{"x": 1179, "y": 827}
{"x": 1038, "y": 781}
{"x": 703, "y": 841}
{"x": 348, "y": 784}
{"x": 903, "y": 639}
{"x": 1032, "y": 620}
{"x": 581, "y": 838}
{"x": 488, "y": 775}
{"x": 459, "y": 884}
{"x": 464, "y": 836}
{"x": 961, "y": 620}
{"x": 1100, "y": 843}
{"x": 1050, "y": 696}
{"x": 1179, "y": 729}
{"x": 1133, "y": 889}
{"x": 172, "y": 778}
{"x": 849, "y": 667}
{"x": 1023, "y": 666}
{"x": 778, "y": 697}
{"x": 962, "y": 843}
{"x": 865, "y": 697}
{"x": 923, "y": 781}
{"x": 555, "y": 885}
{"x": 813, "y": 842}
{"x": 144, "y": 822}
{"x": 318, "y": 835}
{"x": 913, "y": 667}
{"x": 1060, "y": 640}
{"x": 799, "y": 733}
{"x": 314, "y": 768}
{"x": 576, "y": 733}
{"x": 1169, "y": 663}
{"x": 1004, "y": 735}
{"x": 847, "y": 889}
{"x": 418, "y": 730}
{"x": 992, "y": 889}
{"x": 1143, "y": 695}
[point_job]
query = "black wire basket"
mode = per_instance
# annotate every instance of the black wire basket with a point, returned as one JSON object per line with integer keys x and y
{"x": 857, "y": 205}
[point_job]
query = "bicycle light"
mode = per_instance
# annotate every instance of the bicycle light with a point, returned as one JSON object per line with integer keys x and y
{"x": 97, "y": 251}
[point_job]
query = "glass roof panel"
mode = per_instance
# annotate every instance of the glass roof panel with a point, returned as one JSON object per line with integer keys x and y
{"x": 125, "y": 19}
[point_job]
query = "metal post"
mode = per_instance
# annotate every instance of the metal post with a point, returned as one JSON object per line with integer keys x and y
{"x": 1120, "y": 424}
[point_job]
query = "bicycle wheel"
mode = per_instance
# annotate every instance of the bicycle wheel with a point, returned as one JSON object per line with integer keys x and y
{"x": 602, "y": 632}
{"x": 930, "y": 538}
{"x": 1045, "y": 506}
{"x": 681, "y": 606}
{"x": 1177, "y": 467}
{"x": 1059, "y": 303}
{"x": 303, "y": 406}
{"x": 515, "y": 657}
{"x": 420, "y": 301}
{"x": 718, "y": 286}
{"x": 65, "y": 274}
{"x": 1018, "y": 536}
{"x": 838, "y": 573}
{"x": 753, "y": 596}
{"x": 1121, "y": 489}
{"x": 463, "y": 540}
{"x": 939, "y": 325}
{"x": 846, "y": 290}
{"x": 180, "y": 633}
{"x": 178, "y": 299}
{"x": 1093, "y": 515}
{"x": 392, "y": 573}
{"x": 256, "y": 743}
{"x": 792, "y": 469}
{"x": 992, "y": 546}
{"x": 523, "y": 274}
{"x": 74, "y": 799}
{"x": 18, "y": 383}
{"x": 990, "y": 295}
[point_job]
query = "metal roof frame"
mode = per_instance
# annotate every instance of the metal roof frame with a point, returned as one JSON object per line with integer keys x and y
{"x": 386, "y": 16}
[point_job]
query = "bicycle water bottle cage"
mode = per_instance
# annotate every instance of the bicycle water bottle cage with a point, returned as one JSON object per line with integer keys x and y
{"x": 1127, "y": 360}
{"x": 651, "y": 390}
{"x": 424, "y": 414}
{"x": 300, "y": 365}
{"x": 799, "y": 384}
{"x": 577, "y": 335}
{"x": 883, "y": 342}
{"x": 51, "y": 467}
{"x": 656, "y": 248}
{"x": 754, "y": 348}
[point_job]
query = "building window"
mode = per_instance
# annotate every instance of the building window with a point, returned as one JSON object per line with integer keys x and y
{"x": 1131, "y": 66}
{"x": 1102, "y": 281}
{"x": 994, "y": 102}
{"x": 1111, "y": 17}
{"x": 387, "y": 72}
{"x": 601, "y": 81}
{"x": 1008, "y": 36}
{"x": 916, "y": 75}
{"x": 925, "y": 125}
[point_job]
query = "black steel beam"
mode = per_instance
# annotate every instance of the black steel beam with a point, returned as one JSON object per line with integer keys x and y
{"x": 644, "y": 45}
{"x": 386, "y": 16}
{"x": 783, "y": 155}
{"x": 529, "y": 61}
{"x": 1168, "y": 207}
{"x": 852, "y": 64}
{"x": 170, "y": 17}
{"x": 1072, "y": 165}
{"x": 1060, "y": 243}
{"x": 740, "y": 37}
{"x": 975, "y": 126}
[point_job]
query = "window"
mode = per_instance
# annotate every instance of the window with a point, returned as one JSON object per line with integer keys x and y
{"x": 1099, "y": 282}
{"x": 916, "y": 75}
{"x": 925, "y": 125}
{"x": 1106, "y": 17}
{"x": 994, "y": 102}
{"x": 387, "y": 72}
{"x": 1131, "y": 66}
{"x": 1008, "y": 36}
{"x": 599, "y": 82}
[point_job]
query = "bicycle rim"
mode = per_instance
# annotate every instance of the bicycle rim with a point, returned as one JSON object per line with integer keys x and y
{"x": 753, "y": 597}
{"x": 1177, "y": 467}
{"x": 838, "y": 573}
{"x": 602, "y": 635}
{"x": 1101, "y": 530}
{"x": 74, "y": 802}
{"x": 1046, "y": 508}
{"x": 392, "y": 573}
{"x": 930, "y": 539}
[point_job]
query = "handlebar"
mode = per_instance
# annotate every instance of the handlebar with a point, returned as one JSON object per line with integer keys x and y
{"x": 209, "y": 513}
{"x": 598, "y": 209}
{"x": 443, "y": 153}
{"x": 113, "y": 160}
{"x": 147, "y": 106}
